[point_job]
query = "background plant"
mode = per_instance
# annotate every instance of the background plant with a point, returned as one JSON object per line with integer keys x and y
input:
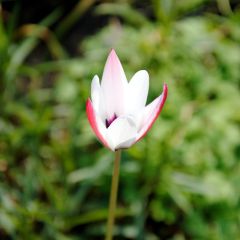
{"x": 181, "y": 181}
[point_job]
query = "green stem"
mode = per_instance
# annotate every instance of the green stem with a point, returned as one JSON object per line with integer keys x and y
{"x": 113, "y": 195}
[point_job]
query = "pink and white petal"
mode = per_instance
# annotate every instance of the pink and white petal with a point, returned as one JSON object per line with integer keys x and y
{"x": 151, "y": 112}
{"x": 114, "y": 86}
{"x": 96, "y": 123}
{"x": 122, "y": 133}
{"x": 137, "y": 92}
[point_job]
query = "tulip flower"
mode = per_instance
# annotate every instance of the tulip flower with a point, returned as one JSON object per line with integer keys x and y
{"x": 117, "y": 112}
{"x": 118, "y": 115}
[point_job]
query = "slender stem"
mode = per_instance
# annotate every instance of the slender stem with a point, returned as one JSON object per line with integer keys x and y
{"x": 113, "y": 195}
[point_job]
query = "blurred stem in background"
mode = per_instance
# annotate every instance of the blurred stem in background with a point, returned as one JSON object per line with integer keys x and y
{"x": 163, "y": 10}
{"x": 224, "y": 7}
{"x": 113, "y": 195}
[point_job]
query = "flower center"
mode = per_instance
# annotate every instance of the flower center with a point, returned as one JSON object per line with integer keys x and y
{"x": 108, "y": 122}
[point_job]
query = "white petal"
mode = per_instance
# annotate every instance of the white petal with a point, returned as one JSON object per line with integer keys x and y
{"x": 127, "y": 144}
{"x": 137, "y": 92}
{"x": 114, "y": 86}
{"x": 96, "y": 96}
{"x": 101, "y": 126}
{"x": 95, "y": 92}
{"x": 121, "y": 133}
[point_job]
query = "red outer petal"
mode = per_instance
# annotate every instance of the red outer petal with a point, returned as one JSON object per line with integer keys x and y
{"x": 165, "y": 93}
{"x": 92, "y": 120}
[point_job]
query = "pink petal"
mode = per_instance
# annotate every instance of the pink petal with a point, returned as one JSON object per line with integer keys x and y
{"x": 114, "y": 86}
{"x": 151, "y": 112}
{"x": 92, "y": 118}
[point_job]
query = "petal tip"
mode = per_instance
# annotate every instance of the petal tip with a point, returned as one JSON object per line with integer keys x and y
{"x": 165, "y": 92}
{"x": 112, "y": 55}
{"x": 112, "y": 61}
{"x": 144, "y": 73}
{"x": 112, "y": 51}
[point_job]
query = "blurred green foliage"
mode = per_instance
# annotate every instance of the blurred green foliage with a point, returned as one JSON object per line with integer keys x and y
{"x": 180, "y": 182}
